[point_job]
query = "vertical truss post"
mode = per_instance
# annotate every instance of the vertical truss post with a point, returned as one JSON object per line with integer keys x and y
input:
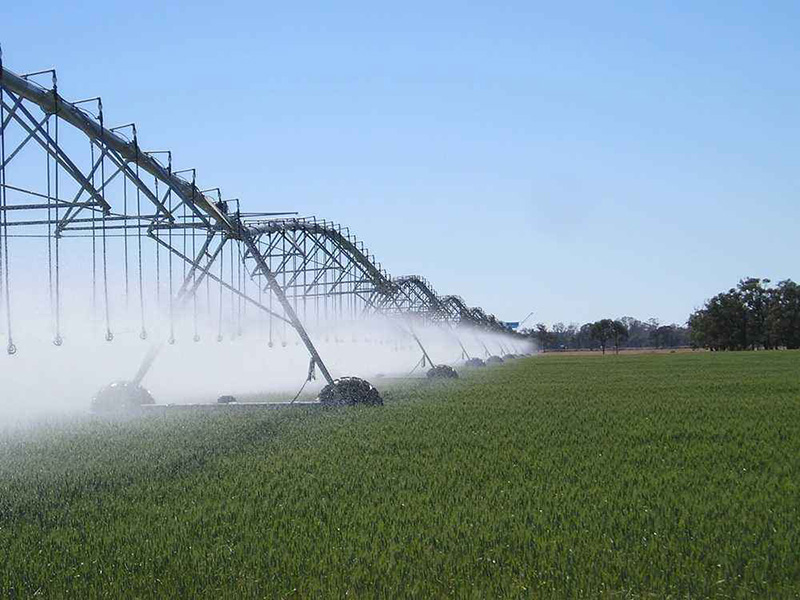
{"x": 287, "y": 306}
{"x": 10, "y": 347}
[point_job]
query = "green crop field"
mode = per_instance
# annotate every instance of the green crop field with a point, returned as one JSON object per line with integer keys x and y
{"x": 673, "y": 475}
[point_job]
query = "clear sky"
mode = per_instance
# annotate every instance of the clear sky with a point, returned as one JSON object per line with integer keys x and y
{"x": 580, "y": 160}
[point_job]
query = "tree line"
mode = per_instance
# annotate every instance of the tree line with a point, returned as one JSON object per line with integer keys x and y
{"x": 753, "y": 315}
{"x": 610, "y": 333}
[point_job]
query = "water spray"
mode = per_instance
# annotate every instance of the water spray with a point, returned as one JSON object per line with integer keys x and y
{"x": 312, "y": 270}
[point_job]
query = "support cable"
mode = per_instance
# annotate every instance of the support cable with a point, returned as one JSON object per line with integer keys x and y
{"x": 271, "y": 343}
{"x": 109, "y": 335}
{"x": 10, "y": 347}
{"x": 283, "y": 287}
{"x": 312, "y": 374}
{"x": 2, "y": 179}
{"x": 49, "y": 229}
{"x": 94, "y": 244}
{"x": 57, "y": 339}
{"x": 154, "y": 232}
{"x": 143, "y": 332}
{"x": 420, "y": 363}
{"x": 232, "y": 294}
{"x": 208, "y": 301}
{"x": 125, "y": 243}
{"x": 193, "y": 272}
{"x": 158, "y": 259}
{"x": 245, "y": 277}
{"x": 196, "y": 336}
{"x": 242, "y": 288}
{"x": 169, "y": 266}
{"x": 221, "y": 288}
{"x": 305, "y": 278}
{"x": 260, "y": 317}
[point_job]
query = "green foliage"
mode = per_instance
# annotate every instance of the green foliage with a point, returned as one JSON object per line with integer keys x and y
{"x": 632, "y": 332}
{"x": 602, "y": 330}
{"x": 784, "y": 315}
{"x": 752, "y": 315}
{"x": 543, "y": 336}
{"x": 647, "y": 476}
{"x": 619, "y": 333}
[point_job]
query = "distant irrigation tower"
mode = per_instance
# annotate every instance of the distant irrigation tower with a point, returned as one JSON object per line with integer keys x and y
{"x": 83, "y": 186}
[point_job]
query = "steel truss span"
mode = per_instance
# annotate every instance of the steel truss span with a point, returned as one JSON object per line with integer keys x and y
{"x": 148, "y": 233}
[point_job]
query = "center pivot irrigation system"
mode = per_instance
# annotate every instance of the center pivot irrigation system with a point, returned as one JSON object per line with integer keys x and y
{"x": 111, "y": 197}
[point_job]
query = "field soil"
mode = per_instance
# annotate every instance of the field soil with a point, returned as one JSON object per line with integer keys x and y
{"x": 654, "y": 475}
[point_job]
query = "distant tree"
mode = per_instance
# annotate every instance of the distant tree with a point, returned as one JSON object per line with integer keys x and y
{"x": 584, "y": 336}
{"x": 755, "y": 299}
{"x": 626, "y": 331}
{"x": 573, "y": 339}
{"x": 720, "y": 324}
{"x": 665, "y": 336}
{"x": 619, "y": 333}
{"x": 752, "y": 315}
{"x": 638, "y": 332}
{"x": 651, "y": 327}
{"x": 729, "y": 321}
{"x": 558, "y": 336}
{"x": 602, "y": 331}
{"x": 699, "y": 336}
{"x": 543, "y": 336}
{"x": 783, "y": 320}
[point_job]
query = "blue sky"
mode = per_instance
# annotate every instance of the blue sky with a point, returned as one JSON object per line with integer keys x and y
{"x": 579, "y": 160}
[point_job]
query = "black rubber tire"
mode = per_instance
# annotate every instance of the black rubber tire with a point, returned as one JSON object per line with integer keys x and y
{"x": 350, "y": 391}
{"x": 120, "y": 397}
{"x": 442, "y": 372}
{"x": 475, "y": 362}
